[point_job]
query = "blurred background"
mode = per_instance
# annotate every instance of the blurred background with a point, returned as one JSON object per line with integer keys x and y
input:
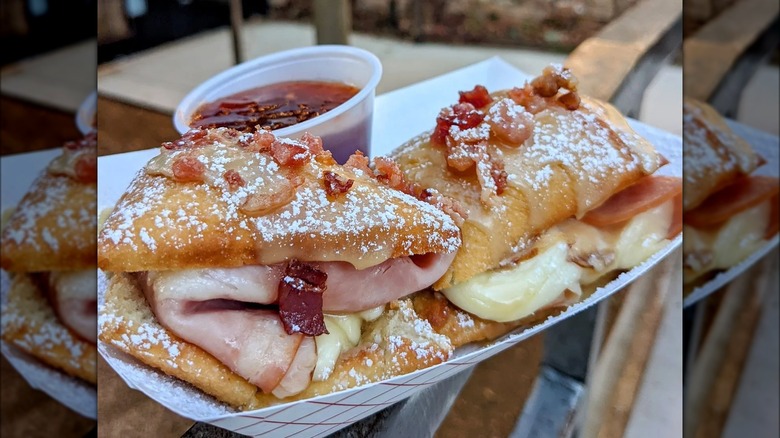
{"x": 47, "y": 71}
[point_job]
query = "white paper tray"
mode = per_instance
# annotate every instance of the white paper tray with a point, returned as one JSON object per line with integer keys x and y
{"x": 398, "y": 116}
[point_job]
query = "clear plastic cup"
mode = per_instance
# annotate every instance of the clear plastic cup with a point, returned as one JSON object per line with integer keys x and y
{"x": 344, "y": 129}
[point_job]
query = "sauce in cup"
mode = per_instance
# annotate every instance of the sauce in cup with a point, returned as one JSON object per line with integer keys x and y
{"x": 278, "y": 106}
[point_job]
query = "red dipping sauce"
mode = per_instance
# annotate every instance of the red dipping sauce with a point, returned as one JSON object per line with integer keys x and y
{"x": 273, "y": 106}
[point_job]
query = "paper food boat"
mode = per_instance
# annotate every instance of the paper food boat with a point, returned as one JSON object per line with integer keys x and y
{"x": 398, "y": 116}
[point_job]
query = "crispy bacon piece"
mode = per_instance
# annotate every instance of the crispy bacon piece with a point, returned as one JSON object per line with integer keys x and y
{"x": 313, "y": 142}
{"x": 358, "y": 161}
{"x": 510, "y": 122}
{"x": 388, "y": 172}
{"x": 462, "y": 156}
{"x": 445, "y": 204}
{"x": 289, "y": 154}
{"x": 465, "y": 116}
{"x": 499, "y": 175}
{"x": 335, "y": 184}
{"x": 532, "y": 102}
{"x": 188, "y": 169}
{"x": 570, "y": 100}
{"x": 545, "y": 85}
{"x": 462, "y": 115}
{"x": 86, "y": 168}
{"x": 260, "y": 141}
{"x": 234, "y": 179}
{"x": 258, "y": 204}
{"x": 478, "y": 97}
{"x": 300, "y": 299}
{"x": 192, "y": 138}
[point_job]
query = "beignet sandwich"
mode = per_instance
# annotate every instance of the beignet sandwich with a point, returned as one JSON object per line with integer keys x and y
{"x": 558, "y": 193}
{"x": 259, "y": 270}
{"x": 48, "y": 249}
{"x": 728, "y": 213}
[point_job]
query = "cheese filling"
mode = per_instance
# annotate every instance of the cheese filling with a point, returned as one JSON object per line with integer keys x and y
{"x": 725, "y": 246}
{"x": 343, "y": 334}
{"x": 568, "y": 255}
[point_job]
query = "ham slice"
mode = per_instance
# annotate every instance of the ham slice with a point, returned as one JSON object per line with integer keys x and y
{"x": 73, "y": 295}
{"x": 225, "y": 311}
{"x": 649, "y": 192}
{"x": 735, "y": 198}
{"x": 348, "y": 290}
{"x": 250, "y": 341}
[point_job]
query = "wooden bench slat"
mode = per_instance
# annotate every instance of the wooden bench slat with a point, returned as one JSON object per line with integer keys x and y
{"x": 712, "y": 52}
{"x": 605, "y": 63}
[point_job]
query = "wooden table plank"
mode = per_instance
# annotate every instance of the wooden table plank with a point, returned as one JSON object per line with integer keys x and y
{"x": 61, "y": 79}
{"x": 606, "y": 64}
{"x": 711, "y": 53}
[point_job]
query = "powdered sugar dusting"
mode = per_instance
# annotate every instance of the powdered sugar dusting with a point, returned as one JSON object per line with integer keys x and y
{"x": 366, "y": 226}
{"x": 49, "y": 201}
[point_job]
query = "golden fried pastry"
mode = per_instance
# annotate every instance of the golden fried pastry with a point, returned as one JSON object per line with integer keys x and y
{"x": 713, "y": 155}
{"x": 49, "y": 246}
{"x": 266, "y": 263}
{"x": 396, "y": 343}
{"x": 30, "y": 324}
{"x": 729, "y": 213}
{"x": 537, "y": 171}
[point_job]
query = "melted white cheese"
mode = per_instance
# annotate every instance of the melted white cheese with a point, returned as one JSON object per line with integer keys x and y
{"x": 343, "y": 334}
{"x": 514, "y": 293}
{"x": 727, "y": 245}
{"x": 520, "y": 290}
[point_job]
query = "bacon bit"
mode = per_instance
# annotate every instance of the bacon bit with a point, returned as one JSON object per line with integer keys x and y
{"x": 260, "y": 141}
{"x": 335, "y": 184}
{"x": 462, "y": 156}
{"x": 390, "y": 174}
{"x": 462, "y": 115}
{"x": 257, "y": 204}
{"x": 86, "y": 169}
{"x": 440, "y": 133}
{"x": 192, "y": 138}
{"x": 545, "y": 85}
{"x": 446, "y": 204}
{"x": 188, "y": 169}
{"x": 325, "y": 158}
{"x": 499, "y": 176}
{"x": 234, "y": 179}
{"x": 552, "y": 79}
{"x": 289, "y": 154}
{"x": 358, "y": 161}
{"x": 479, "y": 96}
{"x": 466, "y": 116}
{"x": 300, "y": 299}
{"x": 570, "y": 100}
{"x": 510, "y": 122}
{"x": 526, "y": 97}
{"x": 313, "y": 142}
